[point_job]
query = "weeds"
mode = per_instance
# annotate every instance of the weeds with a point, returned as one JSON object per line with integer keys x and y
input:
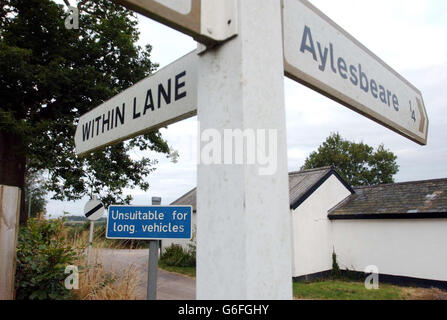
{"x": 97, "y": 284}
{"x": 46, "y": 247}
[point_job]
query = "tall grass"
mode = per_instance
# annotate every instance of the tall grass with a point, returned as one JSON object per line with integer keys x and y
{"x": 99, "y": 238}
{"x": 95, "y": 283}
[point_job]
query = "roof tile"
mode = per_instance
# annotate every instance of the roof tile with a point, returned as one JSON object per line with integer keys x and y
{"x": 418, "y": 197}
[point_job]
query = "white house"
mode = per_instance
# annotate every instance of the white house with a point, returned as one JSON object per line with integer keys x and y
{"x": 401, "y": 228}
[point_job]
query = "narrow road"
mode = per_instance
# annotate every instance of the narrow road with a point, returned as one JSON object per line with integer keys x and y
{"x": 170, "y": 286}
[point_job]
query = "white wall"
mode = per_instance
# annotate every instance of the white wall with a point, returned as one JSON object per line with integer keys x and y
{"x": 412, "y": 248}
{"x": 312, "y": 245}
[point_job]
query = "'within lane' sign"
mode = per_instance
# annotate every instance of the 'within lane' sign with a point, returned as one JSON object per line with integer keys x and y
{"x": 168, "y": 96}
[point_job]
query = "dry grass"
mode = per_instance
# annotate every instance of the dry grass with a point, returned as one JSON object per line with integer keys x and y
{"x": 95, "y": 283}
{"x": 108, "y": 244}
{"x": 100, "y": 242}
{"x": 424, "y": 294}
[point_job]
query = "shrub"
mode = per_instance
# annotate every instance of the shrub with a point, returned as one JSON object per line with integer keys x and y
{"x": 336, "y": 273}
{"x": 42, "y": 256}
{"x": 177, "y": 256}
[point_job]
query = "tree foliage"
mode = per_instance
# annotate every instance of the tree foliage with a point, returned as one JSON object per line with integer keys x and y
{"x": 358, "y": 163}
{"x": 51, "y": 75}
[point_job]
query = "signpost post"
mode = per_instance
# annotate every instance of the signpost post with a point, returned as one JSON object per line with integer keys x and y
{"x": 244, "y": 237}
{"x": 243, "y": 225}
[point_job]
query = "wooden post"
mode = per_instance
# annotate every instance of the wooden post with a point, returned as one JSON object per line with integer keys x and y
{"x": 9, "y": 228}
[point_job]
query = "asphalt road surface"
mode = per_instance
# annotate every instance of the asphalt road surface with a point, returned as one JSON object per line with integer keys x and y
{"x": 170, "y": 286}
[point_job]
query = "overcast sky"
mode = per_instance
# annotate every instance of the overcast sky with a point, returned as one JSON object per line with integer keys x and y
{"x": 409, "y": 35}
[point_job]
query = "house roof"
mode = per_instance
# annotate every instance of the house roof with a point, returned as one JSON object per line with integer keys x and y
{"x": 409, "y": 200}
{"x": 188, "y": 199}
{"x": 301, "y": 185}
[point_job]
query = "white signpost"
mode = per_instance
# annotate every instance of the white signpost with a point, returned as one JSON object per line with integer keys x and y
{"x": 167, "y": 96}
{"x": 321, "y": 55}
{"x": 244, "y": 233}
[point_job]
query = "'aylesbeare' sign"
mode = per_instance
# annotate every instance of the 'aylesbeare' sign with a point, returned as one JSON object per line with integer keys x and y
{"x": 321, "y": 55}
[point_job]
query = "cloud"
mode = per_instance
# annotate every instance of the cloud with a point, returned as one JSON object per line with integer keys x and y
{"x": 167, "y": 43}
{"x": 405, "y": 34}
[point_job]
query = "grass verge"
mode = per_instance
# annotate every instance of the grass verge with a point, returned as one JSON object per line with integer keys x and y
{"x": 342, "y": 289}
{"x": 345, "y": 290}
{"x": 187, "y": 271}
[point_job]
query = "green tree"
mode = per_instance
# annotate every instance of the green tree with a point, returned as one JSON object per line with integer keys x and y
{"x": 358, "y": 163}
{"x": 49, "y": 77}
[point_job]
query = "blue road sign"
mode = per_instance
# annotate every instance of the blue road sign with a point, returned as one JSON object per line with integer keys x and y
{"x": 149, "y": 222}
